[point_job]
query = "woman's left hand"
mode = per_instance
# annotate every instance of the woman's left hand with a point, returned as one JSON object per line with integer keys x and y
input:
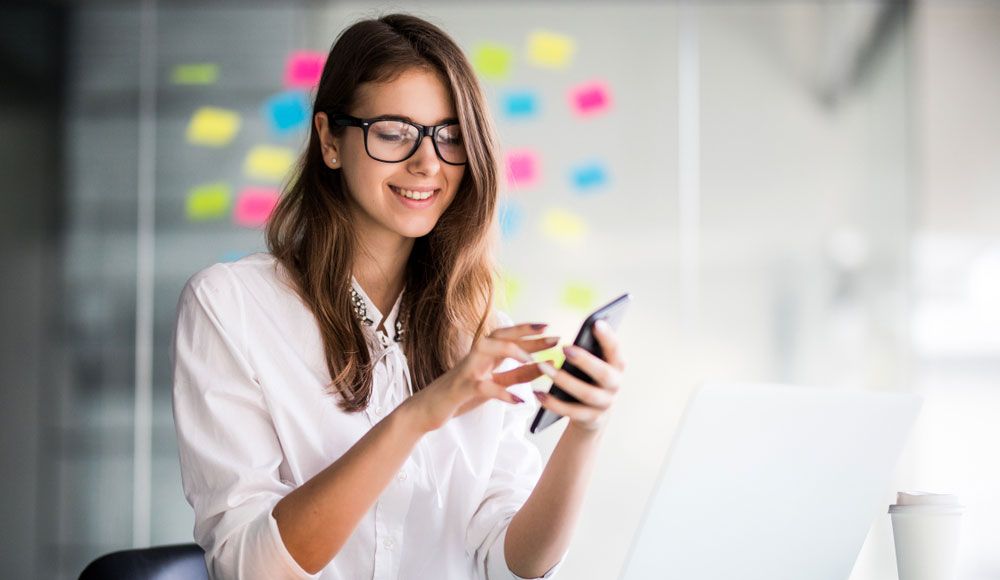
{"x": 591, "y": 413}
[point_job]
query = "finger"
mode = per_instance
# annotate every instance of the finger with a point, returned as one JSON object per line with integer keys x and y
{"x": 604, "y": 374}
{"x": 521, "y": 374}
{"x": 537, "y": 344}
{"x": 608, "y": 340}
{"x": 575, "y": 411}
{"x": 496, "y": 391}
{"x": 518, "y": 330}
{"x": 586, "y": 393}
{"x": 498, "y": 349}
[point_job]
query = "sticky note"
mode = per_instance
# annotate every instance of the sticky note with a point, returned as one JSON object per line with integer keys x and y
{"x": 254, "y": 206}
{"x": 578, "y": 296}
{"x": 520, "y": 104}
{"x": 549, "y": 49}
{"x": 589, "y": 177}
{"x": 511, "y": 214}
{"x": 522, "y": 168}
{"x": 268, "y": 163}
{"x": 554, "y": 354}
{"x": 287, "y": 111}
{"x": 590, "y": 98}
{"x": 213, "y": 127}
{"x": 509, "y": 290}
{"x": 303, "y": 69}
{"x": 492, "y": 60}
{"x": 195, "y": 74}
{"x": 208, "y": 201}
{"x": 563, "y": 226}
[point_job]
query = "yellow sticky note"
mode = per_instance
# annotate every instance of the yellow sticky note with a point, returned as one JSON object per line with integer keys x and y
{"x": 195, "y": 74}
{"x": 268, "y": 163}
{"x": 563, "y": 226}
{"x": 492, "y": 60}
{"x": 208, "y": 201}
{"x": 213, "y": 127}
{"x": 554, "y": 354}
{"x": 548, "y": 49}
{"x": 578, "y": 296}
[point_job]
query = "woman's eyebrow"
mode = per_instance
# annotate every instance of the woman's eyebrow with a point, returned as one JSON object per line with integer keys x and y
{"x": 410, "y": 119}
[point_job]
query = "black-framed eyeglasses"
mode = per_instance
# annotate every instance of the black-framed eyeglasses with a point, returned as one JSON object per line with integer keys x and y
{"x": 394, "y": 139}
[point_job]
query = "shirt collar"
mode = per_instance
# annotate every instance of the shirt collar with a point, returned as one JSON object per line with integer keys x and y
{"x": 373, "y": 312}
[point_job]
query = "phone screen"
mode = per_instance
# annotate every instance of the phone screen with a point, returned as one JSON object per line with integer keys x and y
{"x": 611, "y": 313}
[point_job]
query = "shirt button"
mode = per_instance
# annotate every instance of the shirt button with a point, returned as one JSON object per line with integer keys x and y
{"x": 401, "y": 476}
{"x": 378, "y": 410}
{"x": 388, "y": 543}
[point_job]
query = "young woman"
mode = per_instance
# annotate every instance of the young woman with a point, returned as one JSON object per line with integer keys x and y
{"x": 345, "y": 404}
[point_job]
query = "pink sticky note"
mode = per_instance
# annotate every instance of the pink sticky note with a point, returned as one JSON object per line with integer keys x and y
{"x": 590, "y": 98}
{"x": 254, "y": 206}
{"x": 304, "y": 68}
{"x": 522, "y": 168}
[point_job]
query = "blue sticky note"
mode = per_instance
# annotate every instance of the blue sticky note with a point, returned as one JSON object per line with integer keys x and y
{"x": 520, "y": 104}
{"x": 590, "y": 176}
{"x": 287, "y": 111}
{"x": 511, "y": 216}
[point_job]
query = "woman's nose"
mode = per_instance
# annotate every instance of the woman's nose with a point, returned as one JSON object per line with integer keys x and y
{"x": 425, "y": 160}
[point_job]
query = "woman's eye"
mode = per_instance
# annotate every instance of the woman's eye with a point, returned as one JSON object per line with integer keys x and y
{"x": 390, "y": 137}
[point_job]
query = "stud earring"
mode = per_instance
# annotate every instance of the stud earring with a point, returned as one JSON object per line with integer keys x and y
{"x": 333, "y": 160}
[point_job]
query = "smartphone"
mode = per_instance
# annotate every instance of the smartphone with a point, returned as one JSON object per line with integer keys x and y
{"x": 611, "y": 313}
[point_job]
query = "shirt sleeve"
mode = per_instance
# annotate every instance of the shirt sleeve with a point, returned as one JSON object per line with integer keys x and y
{"x": 229, "y": 451}
{"x": 516, "y": 470}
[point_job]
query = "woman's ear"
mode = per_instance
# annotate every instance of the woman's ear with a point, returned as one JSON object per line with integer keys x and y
{"x": 329, "y": 144}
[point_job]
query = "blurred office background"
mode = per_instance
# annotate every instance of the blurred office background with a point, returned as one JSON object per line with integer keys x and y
{"x": 794, "y": 191}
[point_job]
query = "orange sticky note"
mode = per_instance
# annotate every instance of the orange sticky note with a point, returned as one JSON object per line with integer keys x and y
{"x": 254, "y": 206}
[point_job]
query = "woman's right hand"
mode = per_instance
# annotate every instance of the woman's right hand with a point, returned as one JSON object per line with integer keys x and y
{"x": 472, "y": 382}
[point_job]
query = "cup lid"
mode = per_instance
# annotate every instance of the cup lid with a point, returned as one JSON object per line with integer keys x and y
{"x": 926, "y": 498}
{"x": 924, "y": 501}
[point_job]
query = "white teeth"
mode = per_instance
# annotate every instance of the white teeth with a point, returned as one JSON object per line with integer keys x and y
{"x": 418, "y": 195}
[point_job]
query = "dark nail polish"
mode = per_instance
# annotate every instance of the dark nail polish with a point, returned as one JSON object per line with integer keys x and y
{"x": 569, "y": 351}
{"x": 538, "y": 325}
{"x": 541, "y": 396}
{"x": 517, "y": 399}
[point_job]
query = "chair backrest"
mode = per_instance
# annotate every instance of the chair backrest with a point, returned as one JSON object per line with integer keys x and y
{"x": 176, "y": 562}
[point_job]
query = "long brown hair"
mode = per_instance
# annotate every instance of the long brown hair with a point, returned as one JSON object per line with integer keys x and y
{"x": 450, "y": 274}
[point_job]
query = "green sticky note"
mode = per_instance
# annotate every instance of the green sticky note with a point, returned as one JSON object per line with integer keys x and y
{"x": 579, "y": 296}
{"x": 208, "y": 201}
{"x": 554, "y": 354}
{"x": 195, "y": 74}
{"x": 510, "y": 289}
{"x": 492, "y": 60}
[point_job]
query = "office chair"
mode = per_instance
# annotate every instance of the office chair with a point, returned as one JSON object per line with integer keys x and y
{"x": 175, "y": 562}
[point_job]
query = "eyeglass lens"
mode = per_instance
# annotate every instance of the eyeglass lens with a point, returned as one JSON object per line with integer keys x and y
{"x": 396, "y": 140}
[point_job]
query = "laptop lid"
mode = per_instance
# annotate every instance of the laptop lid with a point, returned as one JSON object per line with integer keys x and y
{"x": 771, "y": 482}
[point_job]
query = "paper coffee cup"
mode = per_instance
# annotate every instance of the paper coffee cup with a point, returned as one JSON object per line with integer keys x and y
{"x": 925, "y": 529}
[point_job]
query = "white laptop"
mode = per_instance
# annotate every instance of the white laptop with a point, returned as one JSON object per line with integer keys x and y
{"x": 771, "y": 482}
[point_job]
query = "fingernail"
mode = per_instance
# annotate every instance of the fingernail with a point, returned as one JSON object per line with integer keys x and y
{"x": 601, "y": 325}
{"x": 517, "y": 399}
{"x": 525, "y": 357}
{"x": 551, "y": 340}
{"x": 570, "y": 351}
{"x": 547, "y": 369}
{"x": 541, "y": 396}
{"x": 538, "y": 325}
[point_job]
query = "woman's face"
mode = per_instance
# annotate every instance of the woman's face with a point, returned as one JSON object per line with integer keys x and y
{"x": 377, "y": 188}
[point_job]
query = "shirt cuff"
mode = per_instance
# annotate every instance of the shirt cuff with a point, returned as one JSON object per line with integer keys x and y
{"x": 496, "y": 562}
{"x": 279, "y": 548}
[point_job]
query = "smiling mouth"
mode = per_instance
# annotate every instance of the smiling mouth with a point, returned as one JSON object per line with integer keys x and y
{"x": 414, "y": 195}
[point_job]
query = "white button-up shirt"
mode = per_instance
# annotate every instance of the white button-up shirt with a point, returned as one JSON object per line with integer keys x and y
{"x": 255, "y": 419}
